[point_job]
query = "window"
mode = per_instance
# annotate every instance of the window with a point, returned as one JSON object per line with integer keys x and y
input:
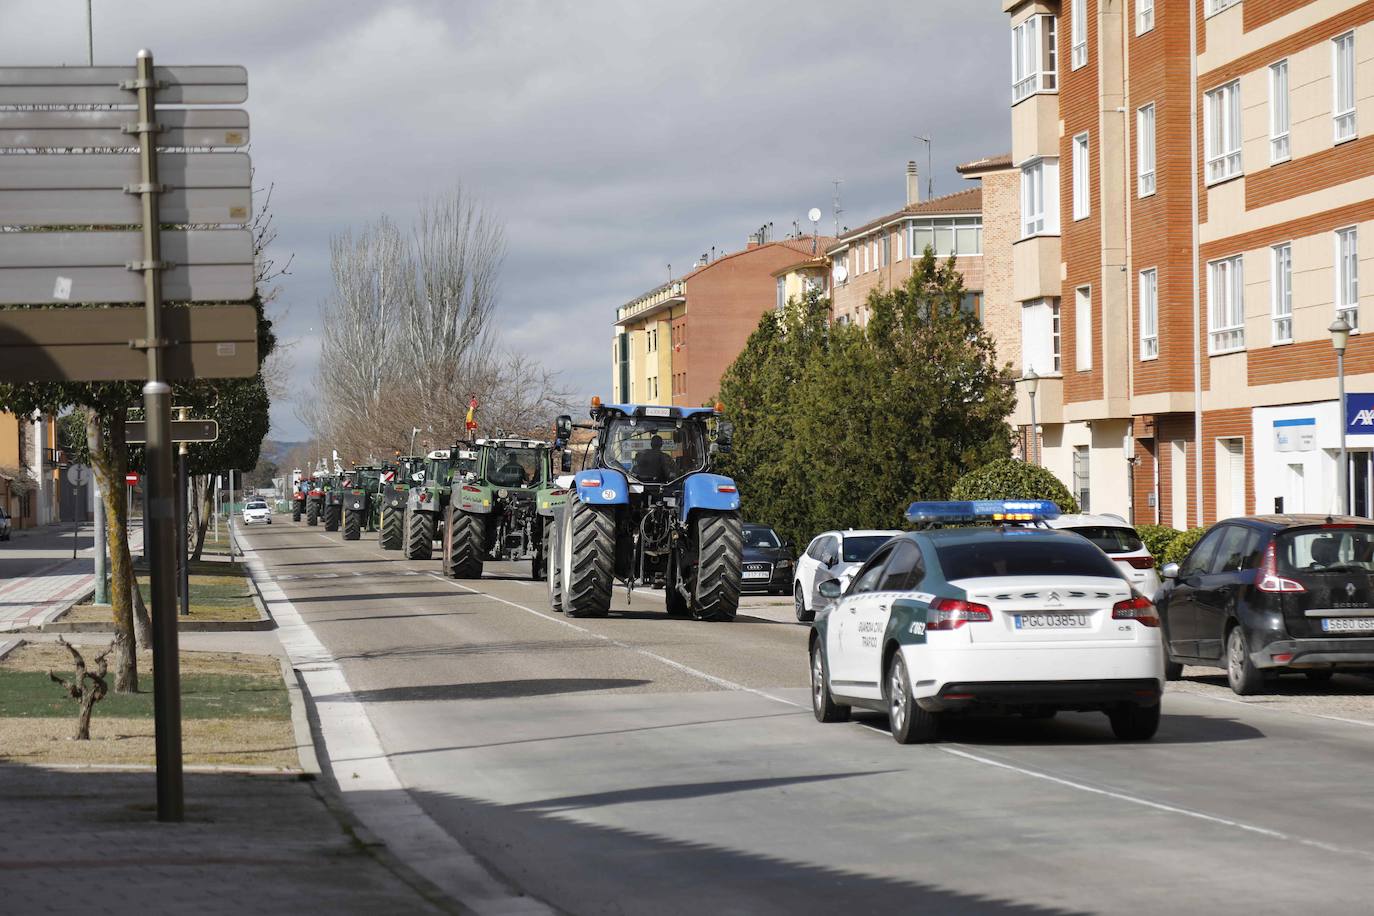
{"x": 868, "y": 578}
{"x": 1223, "y": 132}
{"x": 1216, "y": 6}
{"x": 1145, "y": 150}
{"x": 1226, "y": 305}
{"x": 1033, "y": 63}
{"x": 1343, "y": 85}
{"x": 1281, "y": 292}
{"x": 1054, "y": 339}
{"x": 1078, "y": 32}
{"x": 900, "y": 235}
{"x": 865, "y": 248}
{"x": 1149, "y": 313}
{"x": 960, "y": 236}
{"x": 1040, "y": 198}
{"x": 1278, "y": 111}
{"x": 1081, "y": 485}
{"x": 1082, "y": 205}
{"x": 1083, "y": 328}
{"x": 904, "y": 569}
{"x": 971, "y": 305}
{"x": 782, "y": 293}
{"x": 1348, "y": 276}
{"x": 1144, "y": 16}
{"x": 1040, "y": 336}
{"x": 887, "y": 249}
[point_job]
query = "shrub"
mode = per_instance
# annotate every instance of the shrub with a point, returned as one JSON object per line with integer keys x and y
{"x": 1008, "y": 478}
{"x": 1182, "y": 543}
{"x": 1157, "y": 539}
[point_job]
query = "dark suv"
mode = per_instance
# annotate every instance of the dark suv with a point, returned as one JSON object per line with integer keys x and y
{"x": 1264, "y": 594}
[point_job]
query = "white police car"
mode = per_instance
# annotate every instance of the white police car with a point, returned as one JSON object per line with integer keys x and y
{"x": 1002, "y": 617}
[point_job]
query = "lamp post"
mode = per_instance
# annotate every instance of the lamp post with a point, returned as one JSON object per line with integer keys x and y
{"x": 1340, "y": 335}
{"x": 1032, "y": 380}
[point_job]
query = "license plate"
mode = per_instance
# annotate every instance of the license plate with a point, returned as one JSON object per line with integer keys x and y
{"x": 756, "y": 574}
{"x": 1348, "y": 624}
{"x": 1051, "y": 621}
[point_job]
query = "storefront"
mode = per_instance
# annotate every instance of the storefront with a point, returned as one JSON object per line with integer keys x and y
{"x": 1297, "y": 456}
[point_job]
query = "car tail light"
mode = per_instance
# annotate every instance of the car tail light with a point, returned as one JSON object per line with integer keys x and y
{"x": 1139, "y": 609}
{"x": 951, "y": 614}
{"x": 1268, "y": 579}
{"x": 1145, "y": 562}
{"x": 1283, "y": 658}
{"x": 726, "y": 488}
{"x": 589, "y": 482}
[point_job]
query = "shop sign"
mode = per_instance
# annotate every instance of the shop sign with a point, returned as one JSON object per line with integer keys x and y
{"x": 1296, "y": 435}
{"x": 1359, "y": 414}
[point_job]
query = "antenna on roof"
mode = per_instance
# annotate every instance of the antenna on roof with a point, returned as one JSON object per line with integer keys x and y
{"x": 814, "y": 214}
{"x": 835, "y": 204}
{"x": 930, "y": 172}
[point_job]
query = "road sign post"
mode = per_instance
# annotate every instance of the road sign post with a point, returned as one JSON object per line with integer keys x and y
{"x": 77, "y": 475}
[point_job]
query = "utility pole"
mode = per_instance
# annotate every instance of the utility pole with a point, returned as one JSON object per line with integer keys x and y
{"x": 90, "y": 36}
{"x": 835, "y": 204}
{"x": 930, "y": 171}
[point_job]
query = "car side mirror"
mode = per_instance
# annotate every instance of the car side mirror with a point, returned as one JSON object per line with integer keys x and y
{"x": 830, "y": 560}
{"x": 789, "y": 547}
{"x": 1170, "y": 570}
{"x": 565, "y": 462}
{"x": 830, "y": 588}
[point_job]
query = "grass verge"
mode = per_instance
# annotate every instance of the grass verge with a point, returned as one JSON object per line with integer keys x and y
{"x": 219, "y": 591}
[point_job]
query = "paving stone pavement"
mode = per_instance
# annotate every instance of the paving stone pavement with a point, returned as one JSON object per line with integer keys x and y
{"x": 83, "y": 841}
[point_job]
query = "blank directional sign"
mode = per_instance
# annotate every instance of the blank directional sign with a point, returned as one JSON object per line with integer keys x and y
{"x": 206, "y": 265}
{"x": 93, "y": 344}
{"x": 110, "y": 85}
{"x": 30, "y": 128}
{"x": 55, "y": 189}
{"x": 136, "y": 431}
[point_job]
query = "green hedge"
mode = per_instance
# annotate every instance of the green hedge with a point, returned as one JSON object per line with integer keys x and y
{"x": 1182, "y": 543}
{"x": 1157, "y": 539}
{"x": 1008, "y": 478}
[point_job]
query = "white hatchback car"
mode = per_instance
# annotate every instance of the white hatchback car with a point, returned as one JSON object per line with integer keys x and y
{"x": 1118, "y": 540}
{"x": 256, "y": 511}
{"x": 832, "y": 555}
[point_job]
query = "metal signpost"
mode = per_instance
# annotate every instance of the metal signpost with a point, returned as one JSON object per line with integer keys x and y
{"x": 78, "y": 475}
{"x": 125, "y": 195}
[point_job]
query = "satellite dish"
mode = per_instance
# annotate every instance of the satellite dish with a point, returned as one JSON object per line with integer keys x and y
{"x": 840, "y": 273}
{"x": 814, "y": 214}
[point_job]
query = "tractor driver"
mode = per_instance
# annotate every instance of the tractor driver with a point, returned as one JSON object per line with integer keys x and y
{"x": 654, "y": 465}
{"x": 509, "y": 472}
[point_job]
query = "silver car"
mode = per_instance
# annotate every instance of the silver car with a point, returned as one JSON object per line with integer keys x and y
{"x": 832, "y": 555}
{"x": 1121, "y": 542}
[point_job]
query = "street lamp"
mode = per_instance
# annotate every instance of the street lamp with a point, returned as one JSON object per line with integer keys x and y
{"x": 1032, "y": 380}
{"x": 1340, "y": 335}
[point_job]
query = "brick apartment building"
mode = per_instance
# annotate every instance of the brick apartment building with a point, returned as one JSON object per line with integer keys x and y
{"x": 1185, "y": 245}
{"x": 673, "y": 343}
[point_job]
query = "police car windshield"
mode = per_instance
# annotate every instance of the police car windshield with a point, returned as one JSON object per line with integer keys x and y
{"x": 858, "y": 549}
{"x": 653, "y": 449}
{"x": 1010, "y": 556}
{"x": 1110, "y": 539}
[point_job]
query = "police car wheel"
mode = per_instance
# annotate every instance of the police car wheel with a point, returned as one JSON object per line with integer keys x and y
{"x": 1173, "y": 671}
{"x": 822, "y": 703}
{"x": 910, "y": 723}
{"x": 1134, "y": 723}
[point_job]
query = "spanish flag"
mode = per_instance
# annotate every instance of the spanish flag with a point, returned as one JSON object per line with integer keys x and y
{"x": 471, "y": 423}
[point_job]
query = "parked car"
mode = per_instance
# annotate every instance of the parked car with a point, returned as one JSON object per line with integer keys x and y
{"x": 1262, "y": 595}
{"x": 5, "y": 525}
{"x": 256, "y": 510}
{"x": 1118, "y": 540}
{"x": 767, "y": 561}
{"x": 832, "y": 555}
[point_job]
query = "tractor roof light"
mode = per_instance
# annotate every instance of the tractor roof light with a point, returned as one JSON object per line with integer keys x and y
{"x": 596, "y": 401}
{"x": 981, "y": 510}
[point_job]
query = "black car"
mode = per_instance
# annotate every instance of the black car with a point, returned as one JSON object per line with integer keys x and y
{"x": 1265, "y": 594}
{"x": 767, "y": 561}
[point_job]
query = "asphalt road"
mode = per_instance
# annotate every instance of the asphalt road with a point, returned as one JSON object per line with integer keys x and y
{"x": 641, "y": 764}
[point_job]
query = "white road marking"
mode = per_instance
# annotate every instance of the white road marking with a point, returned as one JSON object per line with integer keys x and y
{"x": 360, "y": 765}
{"x": 1265, "y": 706}
{"x": 685, "y": 669}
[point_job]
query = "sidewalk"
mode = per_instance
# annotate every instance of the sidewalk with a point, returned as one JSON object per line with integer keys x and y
{"x": 43, "y": 592}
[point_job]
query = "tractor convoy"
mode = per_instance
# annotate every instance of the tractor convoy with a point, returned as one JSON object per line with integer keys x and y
{"x": 646, "y": 510}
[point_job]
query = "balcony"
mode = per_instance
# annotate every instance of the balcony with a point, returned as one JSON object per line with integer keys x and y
{"x": 1035, "y": 268}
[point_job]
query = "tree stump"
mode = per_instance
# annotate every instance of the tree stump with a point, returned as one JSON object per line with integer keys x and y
{"x": 87, "y": 687}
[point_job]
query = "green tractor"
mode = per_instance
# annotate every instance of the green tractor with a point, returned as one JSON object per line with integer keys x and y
{"x": 501, "y": 510}
{"x": 396, "y": 483}
{"x": 424, "y": 502}
{"x": 361, "y": 503}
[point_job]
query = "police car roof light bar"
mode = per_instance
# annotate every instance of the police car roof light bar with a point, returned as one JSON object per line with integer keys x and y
{"x": 981, "y": 510}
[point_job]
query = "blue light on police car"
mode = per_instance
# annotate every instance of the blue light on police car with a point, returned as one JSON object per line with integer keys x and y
{"x": 980, "y": 510}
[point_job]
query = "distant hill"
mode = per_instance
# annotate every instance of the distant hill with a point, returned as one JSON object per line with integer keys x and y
{"x": 275, "y": 450}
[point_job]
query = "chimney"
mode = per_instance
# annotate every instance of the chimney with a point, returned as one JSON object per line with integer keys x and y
{"x": 754, "y": 240}
{"x": 913, "y": 184}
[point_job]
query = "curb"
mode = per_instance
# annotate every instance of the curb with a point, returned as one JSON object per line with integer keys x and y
{"x": 300, "y": 719}
{"x": 183, "y": 626}
{"x": 9, "y": 645}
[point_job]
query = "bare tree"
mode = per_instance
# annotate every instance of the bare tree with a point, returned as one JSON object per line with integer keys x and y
{"x": 87, "y": 687}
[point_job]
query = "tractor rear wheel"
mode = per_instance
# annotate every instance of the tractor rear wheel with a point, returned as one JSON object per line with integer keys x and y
{"x": 464, "y": 538}
{"x": 715, "y": 551}
{"x": 352, "y": 525}
{"x": 312, "y": 514}
{"x": 419, "y": 535}
{"x": 588, "y": 555}
{"x": 331, "y": 517}
{"x": 554, "y": 552}
{"x": 392, "y": 534}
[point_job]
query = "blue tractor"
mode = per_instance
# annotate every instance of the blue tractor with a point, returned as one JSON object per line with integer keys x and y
{"x": 647, "y": 511}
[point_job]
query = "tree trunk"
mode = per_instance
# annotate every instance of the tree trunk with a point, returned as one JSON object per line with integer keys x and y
{"x": 203, "y": 513}
{"x": 110, "y": 461}
{"x": 143, "y": 625}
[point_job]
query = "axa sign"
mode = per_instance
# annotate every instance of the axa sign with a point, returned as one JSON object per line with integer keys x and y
{"x": 1359, "y": 414}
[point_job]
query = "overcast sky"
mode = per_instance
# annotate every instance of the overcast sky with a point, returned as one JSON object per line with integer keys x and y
{"x": 612, "y": 137}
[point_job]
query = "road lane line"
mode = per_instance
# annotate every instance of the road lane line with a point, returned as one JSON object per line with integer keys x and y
{"x": 1158, "y": 806}
{"x": 685, "y": 669}
{"x": 1272, "y": 708}
{"x": 359, "y": 764}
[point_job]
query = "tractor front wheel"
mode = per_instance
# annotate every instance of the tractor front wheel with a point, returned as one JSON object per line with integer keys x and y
{"x": 588, "y": 554}
{"x": 714, "y": 565}
{"x": 352, "y": 525}
{"x": 393, "y": 535}
{"x": 331, "y": 517}
{"x": 419, "y": 535}
{"x": 295, "y": 512}
{"x": 312, "y": 514}
{"x": 464, "y": 536}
